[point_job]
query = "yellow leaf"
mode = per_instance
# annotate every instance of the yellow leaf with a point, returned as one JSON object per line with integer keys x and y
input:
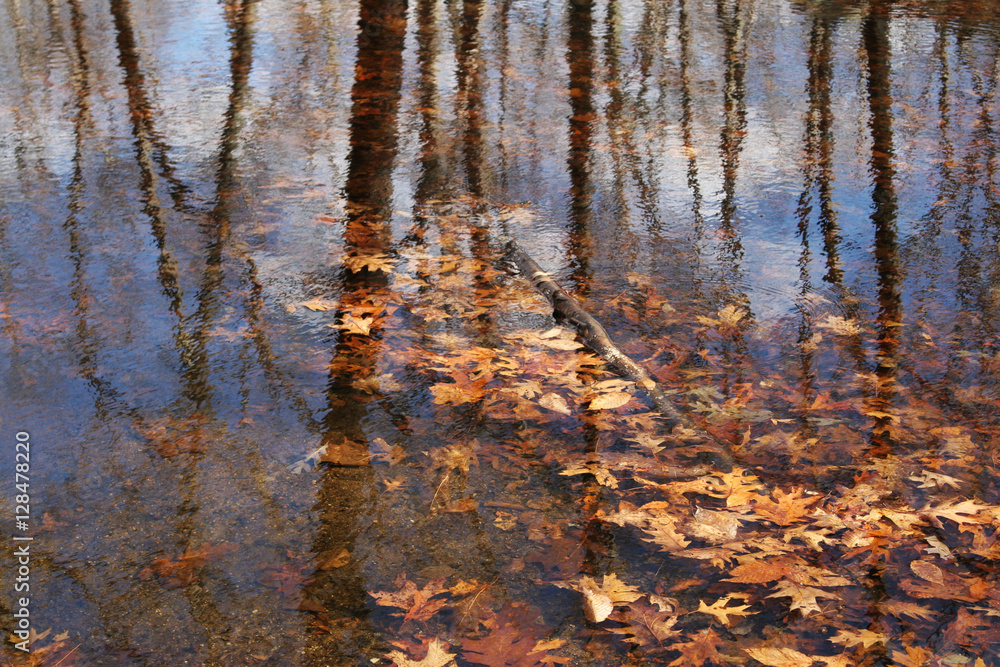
{"x": 779, "y": 657}
{"x": 839, "y": 325}
{"x": 721, "y": 611}
{"x": 375, "y": 262}
{"x": 356, "y": 325}
{"x": 319, "y": 304}
{"x": 864, "y": 637}
{"x": 610, "y": 401}
{"x": 436, "y": 656}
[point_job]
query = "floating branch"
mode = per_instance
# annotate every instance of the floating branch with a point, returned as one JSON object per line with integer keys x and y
{"x": 597, "y": 339}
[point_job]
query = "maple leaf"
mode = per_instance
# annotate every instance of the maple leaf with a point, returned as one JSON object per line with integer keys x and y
{"x": 803, "y": 597}
{"x": 645, "y": 624}
{"x": 417, "y": 602}
{"x": 779, "y": 657}
{"x": 436, "y": 656}
{"x": 786, "y": 508}
{"x": 721, "y": 611}
{"x": 704, "y": 648}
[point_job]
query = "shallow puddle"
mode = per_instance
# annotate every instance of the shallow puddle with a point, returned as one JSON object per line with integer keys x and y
{"x": 288, "y": 401}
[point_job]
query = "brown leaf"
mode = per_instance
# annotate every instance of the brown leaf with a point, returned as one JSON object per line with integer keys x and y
{"x": 511, "y": 643}
{"x": 417, "y": 602}
{"x": 786, "y": 508}
{"x": 645, "y": 624}
{"x": 803, "y": 597}
{"x": 331, "y": 560}
{"x": 703, "y": 648}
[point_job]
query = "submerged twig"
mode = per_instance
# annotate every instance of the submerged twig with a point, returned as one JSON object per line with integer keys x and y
{"x": 597, "y": 339}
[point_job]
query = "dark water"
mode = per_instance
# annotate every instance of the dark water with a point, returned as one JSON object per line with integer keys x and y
{"x": 235, "y": 233}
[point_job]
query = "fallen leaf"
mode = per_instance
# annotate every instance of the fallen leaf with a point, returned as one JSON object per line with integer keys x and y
{"x": 417, "y": 602}
{"x": 804, "y": 598}
{"x": 554, "y": 402}
{"x": 779, "y": 657}
{"x": 610, "y": 401}
{"x": 786, "y": 508}
{"x": 719, "y": 610}
{"x": 703, "y": 648}
{"x": 436, "y": 656}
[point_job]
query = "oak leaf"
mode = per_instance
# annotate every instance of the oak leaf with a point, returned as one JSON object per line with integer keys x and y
{"x": 900, "y": 609}
{"x": 786, "y": 508}
{"x": 372, "y": 262}
{"x": 436, "y": 656}
{"x": 865, "y": 637}
{"x": 914, "y": 656}
{"x": 361, "y": 326}
{"x": 704, "y": 648}
{"x": 963, "y": 513}
{"x": 417, "y": 602}
{"x": 511, "y": 643}
{"x": 721, "y": 611}
{"x": 931, "y": 480}
{"x": 839, "y": 325}
{"x": 645, "y": 624}
{"x": 319, "y": 304}
{"x": 737, "y": 487}
{"x": 803, "y": 597}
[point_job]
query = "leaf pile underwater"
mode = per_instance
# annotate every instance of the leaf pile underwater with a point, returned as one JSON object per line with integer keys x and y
{"x": 571, "y": 526}
{"x": 854, "y": 534}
